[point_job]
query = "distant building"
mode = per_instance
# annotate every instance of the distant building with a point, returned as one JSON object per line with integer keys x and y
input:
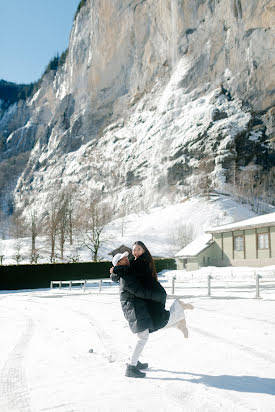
{"x": 250, "y": 242}
{"x": 196, "y": 254}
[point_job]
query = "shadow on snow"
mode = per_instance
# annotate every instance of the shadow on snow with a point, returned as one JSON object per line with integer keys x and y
{"x": 253, "y": 384}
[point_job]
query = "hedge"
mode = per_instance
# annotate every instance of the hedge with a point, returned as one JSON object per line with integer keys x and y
{"x": 39, "y": 276}
{"x": 165, "y": 263}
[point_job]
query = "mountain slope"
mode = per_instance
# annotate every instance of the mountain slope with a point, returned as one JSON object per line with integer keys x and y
{"x": 155, "y": 101}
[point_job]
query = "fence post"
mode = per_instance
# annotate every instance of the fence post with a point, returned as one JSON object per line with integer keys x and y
{"x": 173, "y": 285}
{"x": 258, "y": 286}
{"x": 51, "y": 284}
{"x": 100, "y": 284}
{"x": 60, "y": 285}
{"x": 70, "y": 285}
{"x": 209, "y": 277}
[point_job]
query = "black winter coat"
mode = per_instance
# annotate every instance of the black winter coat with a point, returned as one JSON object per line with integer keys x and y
{"x": 140, "y": 268}
{"x": 134, "y": 297}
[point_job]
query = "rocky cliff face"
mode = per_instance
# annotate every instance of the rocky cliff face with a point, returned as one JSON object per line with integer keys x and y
{"x": 153, "y": 97}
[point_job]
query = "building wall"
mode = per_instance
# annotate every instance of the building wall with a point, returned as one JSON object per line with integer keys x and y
{"x": 192, "y": 264}
{"x": 250, "y": 239}
{"x": 251, "y": 255}
{"x": 202, "y": 259}
{"x": 206, "y": 256}
{"x": 187, "y": 263}
{"x": 220, "y": 252}
{"x": 180, "y": 263}
{"x": 227, "y": 245}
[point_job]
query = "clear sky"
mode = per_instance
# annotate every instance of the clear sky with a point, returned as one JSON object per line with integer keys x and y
{"x": 32, "y": 32}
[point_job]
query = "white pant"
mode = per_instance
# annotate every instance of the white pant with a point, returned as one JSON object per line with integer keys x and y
{"x": 176, "y": 314}
{"x": 142, "y": 338}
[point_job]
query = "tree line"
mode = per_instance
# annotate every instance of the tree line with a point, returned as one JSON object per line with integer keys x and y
{"x": 12, "y": 92}
{"x": 63, "y": 221}
{"x": 79, "y": 7}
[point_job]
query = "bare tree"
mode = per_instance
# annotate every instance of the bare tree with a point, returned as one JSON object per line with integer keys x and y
{"x": 17, "y": 231}
{"x": 182, "y": 235}
{"x": 70, "y": 210}
{"x": 18, "y": 257}
{"x": 62, "y": 222}
{"x": 33, "y": 229}
{"x": 67, "y": 218}
{"x": 52, "y": 226}
{"x": 34, "y": 256}
{"x": 74, "y": 257}
{"x": 92, "y": 221}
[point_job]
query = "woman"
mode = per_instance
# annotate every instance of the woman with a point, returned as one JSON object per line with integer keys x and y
{"x": 133, "y": 298}
{"x": 143, "y": 301}
{"x": 144, "y": 269}
{"x": 143, "y": 266}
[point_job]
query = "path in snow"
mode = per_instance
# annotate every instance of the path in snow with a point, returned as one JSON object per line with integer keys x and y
{"x": 13, "y": 388}
{"x": 45, "y": 365}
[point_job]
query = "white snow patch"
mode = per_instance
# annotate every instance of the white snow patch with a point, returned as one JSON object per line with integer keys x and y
{"x": 227, "y": 363}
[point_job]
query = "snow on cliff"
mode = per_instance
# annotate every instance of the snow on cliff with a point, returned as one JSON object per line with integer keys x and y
{"x": 143, "y": 110}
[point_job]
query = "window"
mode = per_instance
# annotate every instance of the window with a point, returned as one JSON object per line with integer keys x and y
{"x": 238, "y": 243}
{"x": 263, "y": 241}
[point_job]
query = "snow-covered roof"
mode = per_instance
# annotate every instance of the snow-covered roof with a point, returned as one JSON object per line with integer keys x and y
{"x": 258, "y": 221}
{"x": 195, "y": 247}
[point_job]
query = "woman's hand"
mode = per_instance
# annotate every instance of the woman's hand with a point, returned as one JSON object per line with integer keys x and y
{"x": 111, "y": 270}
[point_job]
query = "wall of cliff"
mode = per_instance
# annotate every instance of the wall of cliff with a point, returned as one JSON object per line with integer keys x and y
{"x": 153, "y": 97}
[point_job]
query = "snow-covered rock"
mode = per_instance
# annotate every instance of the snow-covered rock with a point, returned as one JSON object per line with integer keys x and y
{"x": 149, "y": 100}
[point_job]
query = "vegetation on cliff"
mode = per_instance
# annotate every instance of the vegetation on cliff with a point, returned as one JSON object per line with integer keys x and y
{"x": 12, "y": 92}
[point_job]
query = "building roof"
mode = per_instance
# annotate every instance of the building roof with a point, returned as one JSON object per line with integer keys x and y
{"x": 254, "y": 222}
{"x": 195, "y": 247}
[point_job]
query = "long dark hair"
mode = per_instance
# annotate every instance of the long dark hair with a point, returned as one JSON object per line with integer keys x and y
{"x": 148, "y": 258}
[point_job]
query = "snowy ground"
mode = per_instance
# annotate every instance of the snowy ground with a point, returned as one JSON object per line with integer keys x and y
{"x": 227, "y": 364}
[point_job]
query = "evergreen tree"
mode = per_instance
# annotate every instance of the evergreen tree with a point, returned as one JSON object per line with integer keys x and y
{"x": 12, "y": 92}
